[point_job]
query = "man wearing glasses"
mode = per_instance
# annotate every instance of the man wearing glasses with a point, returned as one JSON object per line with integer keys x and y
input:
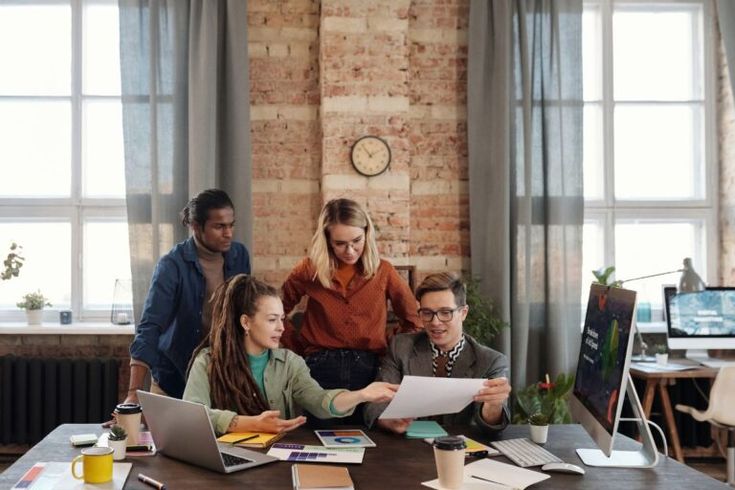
{"x": 443, "y": 349}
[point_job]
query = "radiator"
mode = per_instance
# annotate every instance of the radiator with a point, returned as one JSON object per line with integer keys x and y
{"x": 37, "y": 394}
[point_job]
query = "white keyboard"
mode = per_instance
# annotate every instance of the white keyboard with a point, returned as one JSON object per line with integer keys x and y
{"x": 525, "y": 453}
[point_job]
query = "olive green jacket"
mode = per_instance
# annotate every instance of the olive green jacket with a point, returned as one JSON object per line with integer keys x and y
{"x": 288, "y": 387}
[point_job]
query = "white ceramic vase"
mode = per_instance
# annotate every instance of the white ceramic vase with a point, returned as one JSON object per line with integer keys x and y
{"x": 34, "y": 316}
{"x": 119, "y": 449}
{"x": 539, "y": 433}
{"x": 662, "y": 359}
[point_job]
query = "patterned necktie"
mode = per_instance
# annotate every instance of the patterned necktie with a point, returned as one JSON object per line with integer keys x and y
{"x": 441, "y": 366}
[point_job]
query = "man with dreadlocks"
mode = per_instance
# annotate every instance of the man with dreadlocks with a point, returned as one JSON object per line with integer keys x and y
{"x": 247, "y": 381}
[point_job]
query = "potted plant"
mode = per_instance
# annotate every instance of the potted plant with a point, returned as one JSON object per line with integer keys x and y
{"x": 118, "y": 441}
{"x": 483, "y": 321}
{"x": 33, "y": 303}
{"x": 538, "y": 425}
{"x": 546, "y": 397}
{"x": 662, "y": 355}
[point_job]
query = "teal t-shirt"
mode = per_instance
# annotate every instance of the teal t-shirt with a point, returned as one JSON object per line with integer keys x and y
{"x": 257, "y": 367}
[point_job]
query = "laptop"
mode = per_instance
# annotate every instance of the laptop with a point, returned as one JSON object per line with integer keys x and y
{"x": 182, "y": 430}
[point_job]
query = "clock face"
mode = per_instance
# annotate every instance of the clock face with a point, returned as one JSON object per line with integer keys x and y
{"x": 370, "y": 155}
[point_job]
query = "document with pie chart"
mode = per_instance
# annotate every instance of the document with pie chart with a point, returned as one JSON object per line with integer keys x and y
{"x": 344, "y": 438}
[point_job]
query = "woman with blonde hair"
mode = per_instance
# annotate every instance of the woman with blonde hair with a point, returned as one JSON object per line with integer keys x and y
{"x": 348, "y": 285}
{"x": 248, "y": 383}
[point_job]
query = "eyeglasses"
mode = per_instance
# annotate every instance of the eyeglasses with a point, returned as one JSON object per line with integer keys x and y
{"x": 354, "y": 244}
{"x": 444, "y": 315}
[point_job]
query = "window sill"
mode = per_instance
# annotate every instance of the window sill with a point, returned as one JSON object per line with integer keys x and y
{"x": 652, "y": 327}
{"x": 86, "y": 328}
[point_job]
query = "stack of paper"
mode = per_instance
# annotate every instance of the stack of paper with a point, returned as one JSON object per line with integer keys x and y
{"x": 487, "y": 474}
{"x": 316, "y": 454}
{"x": 57, "y": 475}
{"x": 423, "y": 429}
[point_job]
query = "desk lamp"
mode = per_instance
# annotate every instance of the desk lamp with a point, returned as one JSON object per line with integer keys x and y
{"x": 689, "y": 282}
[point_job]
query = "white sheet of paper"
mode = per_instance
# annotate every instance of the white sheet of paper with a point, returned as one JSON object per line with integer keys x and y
{"x": 422, "y": 396}
{"x": 497, "y": 475}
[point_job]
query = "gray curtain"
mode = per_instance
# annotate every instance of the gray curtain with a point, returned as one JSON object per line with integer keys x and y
{"x": 726, "y": 21}
{"x": 186, "y": 119}
{"x": 525, "y": 171}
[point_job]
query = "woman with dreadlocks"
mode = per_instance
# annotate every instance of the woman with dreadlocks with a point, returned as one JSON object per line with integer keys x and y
{"x": 251, "y": 385}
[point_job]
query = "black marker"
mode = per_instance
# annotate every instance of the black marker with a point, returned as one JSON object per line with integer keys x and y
{"x": 245, "y": 439}
{"x": 150, "y": 481}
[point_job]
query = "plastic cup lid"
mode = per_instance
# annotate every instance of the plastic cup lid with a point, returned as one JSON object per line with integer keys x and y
{"x": 450, "y": 443}
{"x": 127, "y": 408}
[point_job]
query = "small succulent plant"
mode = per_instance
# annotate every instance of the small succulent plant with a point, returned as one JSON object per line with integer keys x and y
{"x": 117, "y": 433}
{"x": 538, "y": 418}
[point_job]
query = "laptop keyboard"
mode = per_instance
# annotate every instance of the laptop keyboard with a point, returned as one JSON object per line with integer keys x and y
{"x": 232, "y": 460}
{"x": 525, "y": 453}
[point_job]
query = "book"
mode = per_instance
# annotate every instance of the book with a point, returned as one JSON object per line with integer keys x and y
{"x": 344, "y": 438}
{"x": 421, "y": 429}
{"x": 255, "y": 440}
{"x": 321, "y": 477}
{"x": 316, "y": 454}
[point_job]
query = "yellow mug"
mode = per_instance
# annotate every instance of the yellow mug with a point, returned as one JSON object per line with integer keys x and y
{"x": 96, "y": 464}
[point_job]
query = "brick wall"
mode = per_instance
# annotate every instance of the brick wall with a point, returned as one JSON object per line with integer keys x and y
{"x": 324, "y": 73}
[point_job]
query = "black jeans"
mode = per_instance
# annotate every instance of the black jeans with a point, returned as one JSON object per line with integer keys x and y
{"x": 342, "y": 368}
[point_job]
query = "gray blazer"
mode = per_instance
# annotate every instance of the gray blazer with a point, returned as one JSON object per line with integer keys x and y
{"x": 410, "y": 354}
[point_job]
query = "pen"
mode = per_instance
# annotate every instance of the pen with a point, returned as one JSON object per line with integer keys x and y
{"x": 245, "y": 439}
{"x": 150, "y": 481}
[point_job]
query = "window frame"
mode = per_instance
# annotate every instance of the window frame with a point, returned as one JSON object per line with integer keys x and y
{"x": 76, "y": 208}
{"x": 608, "y": 210}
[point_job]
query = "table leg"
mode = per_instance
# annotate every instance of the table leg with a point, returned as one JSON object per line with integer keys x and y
{"x": 669, "y": 416}
{"x": 648, "y": 396}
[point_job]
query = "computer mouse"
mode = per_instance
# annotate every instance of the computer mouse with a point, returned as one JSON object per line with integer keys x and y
{"x": 563, "y": 468}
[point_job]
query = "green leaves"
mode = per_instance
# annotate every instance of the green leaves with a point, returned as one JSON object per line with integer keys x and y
{"x": 12, "y": 263}
{"x": 483, "y": 321}
{"x": 549, "y": 400}
{"x": 602, "y": 275}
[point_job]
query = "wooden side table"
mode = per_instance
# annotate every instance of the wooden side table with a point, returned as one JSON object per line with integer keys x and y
{"x": 658, "y": 382}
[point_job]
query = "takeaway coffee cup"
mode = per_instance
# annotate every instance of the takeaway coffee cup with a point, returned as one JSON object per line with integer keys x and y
{"x": 96, "y": 465}
{"x": 128, "y": 417}
{"x": 449, "y": 456}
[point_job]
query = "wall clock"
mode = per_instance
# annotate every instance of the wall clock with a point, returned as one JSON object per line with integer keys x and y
{"x": 370, "y": 155}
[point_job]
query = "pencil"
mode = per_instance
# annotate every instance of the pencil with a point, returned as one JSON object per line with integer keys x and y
{"x": 245, "y": 439}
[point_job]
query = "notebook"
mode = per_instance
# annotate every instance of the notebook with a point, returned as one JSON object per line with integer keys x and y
{"x": 321, "y": 477}
{"x": 258, "y": 440}
{"x": 422, "y": 429}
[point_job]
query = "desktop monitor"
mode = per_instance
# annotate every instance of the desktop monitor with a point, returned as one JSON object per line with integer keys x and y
{"x": 701, "y": 320}
{"x": 602, "y": 380}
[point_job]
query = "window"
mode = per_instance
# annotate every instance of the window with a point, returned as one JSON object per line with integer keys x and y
{"x": 62, "y": 192}
{"x": 649, "y": 149}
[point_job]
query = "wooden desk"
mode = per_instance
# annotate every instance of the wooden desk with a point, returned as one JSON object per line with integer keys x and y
{"x": 659, "y": 381}
{"x": 396, "y": 463}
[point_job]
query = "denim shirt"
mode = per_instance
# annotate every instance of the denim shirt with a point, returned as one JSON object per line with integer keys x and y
{"x": 171, "y": 325}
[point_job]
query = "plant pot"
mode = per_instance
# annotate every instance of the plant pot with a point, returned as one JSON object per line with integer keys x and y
{"x": 662, "y": 359}
{"x": 119, "y": 449}
{"x": 34, "y": 316}
{"x": 539, "y": 433}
